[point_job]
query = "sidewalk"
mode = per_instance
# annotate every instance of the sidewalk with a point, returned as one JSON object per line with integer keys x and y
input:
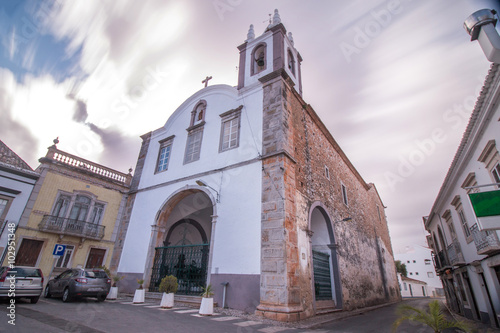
{"x": 318, "y": 320}
{"x": 480, "y": 327}
{"x": 303, "y": 324}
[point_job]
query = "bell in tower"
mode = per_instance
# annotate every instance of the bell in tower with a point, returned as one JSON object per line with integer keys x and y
{"x": 272, "y": 51}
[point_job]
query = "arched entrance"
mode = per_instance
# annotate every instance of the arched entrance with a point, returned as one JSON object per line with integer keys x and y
{"x": 326, "y": 277}
{"x": 182, "y": 240}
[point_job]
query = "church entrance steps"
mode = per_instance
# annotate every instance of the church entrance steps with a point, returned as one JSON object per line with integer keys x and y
{"x": 326, "y": 307}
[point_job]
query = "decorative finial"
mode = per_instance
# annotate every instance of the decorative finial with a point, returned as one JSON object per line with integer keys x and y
{"x": 56, "y": 141}
{"x": 251, "y": 33}
{"x": 276, "y": 18}
{"x": 130, "y": 171}
{"x": 290, "y": 37}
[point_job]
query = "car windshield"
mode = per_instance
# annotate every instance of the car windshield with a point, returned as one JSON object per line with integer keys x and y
{"x": 25, "y": 272}
{"x": 95, "y": 274}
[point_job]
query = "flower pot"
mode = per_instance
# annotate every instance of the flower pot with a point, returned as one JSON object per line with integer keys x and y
{"x": 113, "y": 293}
{"x": 167, "y": 300}
{"x": 207, "y": 306}
{"x": 139, "y": 296}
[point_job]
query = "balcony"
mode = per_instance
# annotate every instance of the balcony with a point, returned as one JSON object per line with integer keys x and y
{"x": 455, "y": 254}
{"x": 486, "y": 242}
{"x": 441, "y": 262}
{"x": 63, "y": 226}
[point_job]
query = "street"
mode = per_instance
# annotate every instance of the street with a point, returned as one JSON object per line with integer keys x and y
{"x": 89, "y": 316}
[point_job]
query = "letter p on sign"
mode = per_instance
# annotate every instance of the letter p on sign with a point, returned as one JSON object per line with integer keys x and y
{"x": 59, "y": 250}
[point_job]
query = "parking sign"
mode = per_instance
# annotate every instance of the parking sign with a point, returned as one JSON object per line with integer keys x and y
{"x": 59, "y": 249}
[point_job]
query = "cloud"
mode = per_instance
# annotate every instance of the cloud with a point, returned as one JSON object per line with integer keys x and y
{"x": 13, "y": 133}
{"x": 80, "y": 114}
{"x": 118, "y": 147}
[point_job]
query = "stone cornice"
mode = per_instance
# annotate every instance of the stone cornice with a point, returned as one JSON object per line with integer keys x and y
{"x": 195, "y": 176}
{"x": 279, "y": 73}
{"x": 281, "y": 152}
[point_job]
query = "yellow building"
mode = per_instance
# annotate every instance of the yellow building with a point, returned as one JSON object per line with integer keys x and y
{"x": 76, "y": 203}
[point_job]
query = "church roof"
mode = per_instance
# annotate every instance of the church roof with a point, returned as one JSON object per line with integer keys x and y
{"x": 9, "y": 157}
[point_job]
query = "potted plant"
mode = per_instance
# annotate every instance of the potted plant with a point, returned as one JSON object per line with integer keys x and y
{"x": 168, "y": 286}
{"x": 140, "y": 293}
{"x": 207, "y": 302}
{"x": 434, "y": 318}
{"x": 113, "y": 292}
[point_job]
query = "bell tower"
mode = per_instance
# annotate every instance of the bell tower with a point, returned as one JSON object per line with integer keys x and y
{"x": 270, "y": 52}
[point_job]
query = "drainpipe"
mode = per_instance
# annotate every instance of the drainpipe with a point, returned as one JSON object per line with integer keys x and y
{"x": 481, "y": 27}
{"x": 224, "y": 294}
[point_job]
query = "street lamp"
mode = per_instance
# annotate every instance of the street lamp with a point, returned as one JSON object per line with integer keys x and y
{"x": 481, "y": 26}
{"x": 202, "y": 183}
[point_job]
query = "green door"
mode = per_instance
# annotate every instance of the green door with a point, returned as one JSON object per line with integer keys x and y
{"x": 322, "y": 278}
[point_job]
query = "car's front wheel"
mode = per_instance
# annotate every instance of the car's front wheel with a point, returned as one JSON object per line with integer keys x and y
{"x": 66, "y": 297}
{"x": 46, "y": 292}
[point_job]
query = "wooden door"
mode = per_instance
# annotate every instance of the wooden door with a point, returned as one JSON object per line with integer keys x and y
{"x": 96, "y": 258}
{"x": 28, "y": 252}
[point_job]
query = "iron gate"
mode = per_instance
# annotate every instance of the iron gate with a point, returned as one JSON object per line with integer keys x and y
{"x": 322, "y": 279}
{"x": 188, "y": 263}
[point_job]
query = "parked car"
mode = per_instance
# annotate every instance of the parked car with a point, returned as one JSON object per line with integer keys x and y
{"x": 25, "y": 282}
{"x": 79, "y": 282}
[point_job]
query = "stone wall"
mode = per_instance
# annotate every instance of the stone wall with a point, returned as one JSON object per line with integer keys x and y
{"x": 280, "y": 290}
{"x": 363, "y": 244}
{"x": 297, "y": 150}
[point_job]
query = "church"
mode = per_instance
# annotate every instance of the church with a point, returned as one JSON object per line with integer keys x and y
{"x": 245, "y": 189}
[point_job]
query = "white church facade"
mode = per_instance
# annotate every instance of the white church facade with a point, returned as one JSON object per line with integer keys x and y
{"x": 245, "y": 187}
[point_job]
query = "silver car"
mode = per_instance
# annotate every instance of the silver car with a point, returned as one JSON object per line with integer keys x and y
{"x": 21, "y": 281}
{"x": 79, "y": 282}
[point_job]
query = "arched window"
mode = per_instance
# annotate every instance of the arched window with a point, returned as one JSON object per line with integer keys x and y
{"x": 291, "y": 62}
{"x": 61, "y": 206}
{"x": 80, "y": 208}
{"x": 258, "y": 59}
{"x": 198, "y": 113}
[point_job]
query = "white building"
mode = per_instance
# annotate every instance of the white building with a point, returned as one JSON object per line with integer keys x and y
{"x": 419, "y": 266}
{"x": 232, "y": 190}
{"x": 412, "y": 287}
{"x": 17, "y": 180}
{"x": 464, "y": 222}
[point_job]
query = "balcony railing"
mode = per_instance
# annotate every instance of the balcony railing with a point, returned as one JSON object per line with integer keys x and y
{"x": 442, "y": 261}
{"x": 63, "y": 226}
{"x": 55, "y": 155}
{"x": 486, "y": 241}
{"x": 455, "y": 254}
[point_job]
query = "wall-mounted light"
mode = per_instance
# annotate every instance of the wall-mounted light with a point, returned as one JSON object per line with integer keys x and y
{"x": 344, "y": 220}
{"x": 481, "y": 26}
{"x": 202, "y": 183}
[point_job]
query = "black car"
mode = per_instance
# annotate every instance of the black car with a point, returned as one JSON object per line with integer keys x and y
{"x": 79, "y": 282}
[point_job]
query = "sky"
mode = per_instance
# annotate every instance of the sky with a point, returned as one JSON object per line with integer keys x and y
{"x": 394, "y": 81}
